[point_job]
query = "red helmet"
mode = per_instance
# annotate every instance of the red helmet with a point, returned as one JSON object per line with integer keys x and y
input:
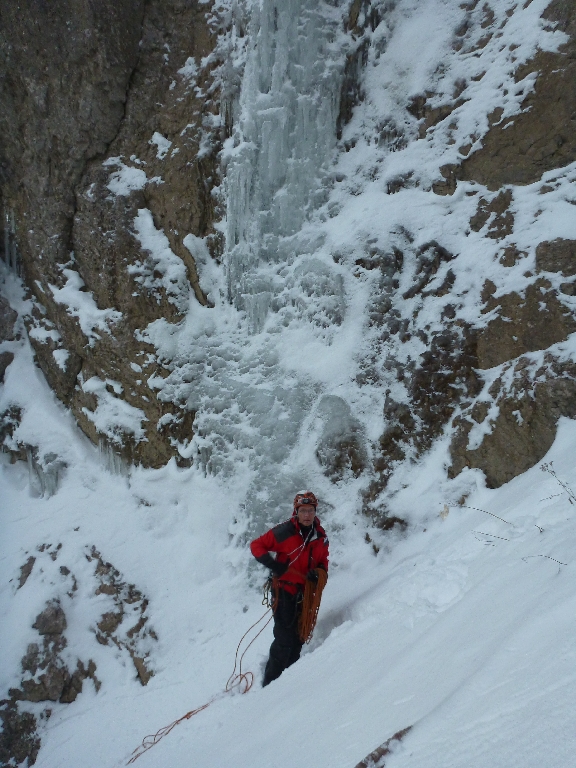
{"x": 304, "y": 497}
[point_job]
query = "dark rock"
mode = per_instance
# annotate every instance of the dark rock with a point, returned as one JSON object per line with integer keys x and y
{"x": 9, "y": 420}
{"x": 45, "y": 672}
{"x": 397, "y": 183}
{"x": 19, "y": 741}
{"x": 110, "y": 622}
{"x": 444, "y": 376}
{"x": 542, "y": 136}
{"x": 451, "y": 173}
{"x": 430, "y": 257}
{"x": 52, "y": 620}
{"x": 429, "y": 116}
{"x": 5, "y": 360}
{"x": 352, "y": 92}
{"x": 144, "y": 674}
{"x": 510, "y": 256}
{"x": 388, "y": 522}
{"x": 557, "y": 256}
{"x": 568, "y": 289}
{"x": 31, "y": 659}
{"x": 74, "y": 683}
{"x": 523, "y": 431}
{"x": 69, "y": 101}
{"x": 497, "y": 213}
{"x": 128, "y": 600}
{"x": 25, "y": 571}
{"x": 72, "y": 687}
{"x": 376, "y": 758}
{"x": 49, "y": 685}
{"x": 8, "y": 319}
{"x": 524, "y": 324}
{"x": 46, "y": 676}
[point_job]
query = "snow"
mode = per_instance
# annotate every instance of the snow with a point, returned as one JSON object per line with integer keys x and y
{"x": 127, "y": 179}
{"x": 113, "y": 416}
{"x": 81, "y": 304}
{"x": 172, "y": 272}
{"x": 162, "y": 145}
{"x": 190, "y": 70}
{"x": 61, "y": 356}
{"x": 463, "y": 626}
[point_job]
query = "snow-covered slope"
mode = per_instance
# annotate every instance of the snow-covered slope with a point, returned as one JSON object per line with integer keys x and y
{"x": 345, "y": 261}
{"x": 463, "y": 628}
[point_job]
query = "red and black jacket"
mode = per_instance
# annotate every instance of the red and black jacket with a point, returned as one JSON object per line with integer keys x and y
{"x": 287, "y": 540}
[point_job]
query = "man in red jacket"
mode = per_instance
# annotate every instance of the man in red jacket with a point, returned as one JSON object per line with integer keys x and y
{"x": 301, "y": 546}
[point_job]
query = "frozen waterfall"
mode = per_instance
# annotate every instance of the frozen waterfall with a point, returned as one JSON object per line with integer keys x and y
{"x": 278, "y": 158}
{"x": 263, "y": 368}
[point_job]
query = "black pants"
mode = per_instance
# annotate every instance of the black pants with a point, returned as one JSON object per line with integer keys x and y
{"x": 286, "y": 647}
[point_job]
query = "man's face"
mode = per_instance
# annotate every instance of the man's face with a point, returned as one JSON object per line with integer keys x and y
{"x": 306, "y": 514}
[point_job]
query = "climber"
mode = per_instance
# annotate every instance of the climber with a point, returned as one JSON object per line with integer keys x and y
{"x": 301, "y": 547}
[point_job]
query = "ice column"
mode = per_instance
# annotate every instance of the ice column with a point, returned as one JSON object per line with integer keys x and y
{"x": 283, "y": 142}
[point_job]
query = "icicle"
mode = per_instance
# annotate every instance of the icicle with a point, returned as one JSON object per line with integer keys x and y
{"x": 283, "y": 142}
{"x": 11, "y": 256}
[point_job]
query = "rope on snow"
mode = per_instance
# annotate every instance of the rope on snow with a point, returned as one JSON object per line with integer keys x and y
{"x": 236, "y": 680}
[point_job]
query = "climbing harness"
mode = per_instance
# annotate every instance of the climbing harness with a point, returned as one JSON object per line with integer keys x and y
{"x": 240, "y": 679}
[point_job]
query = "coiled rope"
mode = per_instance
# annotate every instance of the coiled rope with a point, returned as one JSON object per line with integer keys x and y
{"x": 311, "y": 605}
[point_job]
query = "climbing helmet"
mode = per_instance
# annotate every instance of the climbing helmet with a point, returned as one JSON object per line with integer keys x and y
{"x": 304, "y": 497}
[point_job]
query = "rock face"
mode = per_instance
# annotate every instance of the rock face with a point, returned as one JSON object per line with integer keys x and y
{"x": 520, "y": 149}
{"x": 52, "y": 620}
{"x": 48, "y": 671}
{"x": 102, "y": 112}
{"x": 111, "y": 127}
{"x": 518, "y": 414}
{"x": 525, "y": 323}
{"x": 45, "y": 678}
{"x": 129, "y": 605}
{"x": 18, "y": 740}
{"x": 525, "y": 426}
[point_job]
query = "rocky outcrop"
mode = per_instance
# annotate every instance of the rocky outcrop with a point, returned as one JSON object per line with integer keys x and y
{"x": 106, "y": 116}
{"x": 377, "y": 758}
{"x": 518, "y": 150}
{"x": 45, "y": 678}
{"x": 520, "y": 420}
{"x": 19, "y": 740}
{"x": 7, "y": 333}
{"x": 524, "y": 323}
{"x": 47, "y": 674}
{"x": 129, "y": 607}
{"x": 513, "y": 424}
{"x": 520, "y": 410}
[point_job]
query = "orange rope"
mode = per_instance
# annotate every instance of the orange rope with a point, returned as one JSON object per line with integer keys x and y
{"x": 234, "y": 681}
{"x": 149, "y": 741}
{"x": 245, "y": 677}
{"x": 311, "y": 605}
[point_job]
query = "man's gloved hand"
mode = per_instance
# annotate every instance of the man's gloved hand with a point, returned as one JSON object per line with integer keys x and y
{"x": 278, "y": 569}
{"x": 312, "y": 576}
